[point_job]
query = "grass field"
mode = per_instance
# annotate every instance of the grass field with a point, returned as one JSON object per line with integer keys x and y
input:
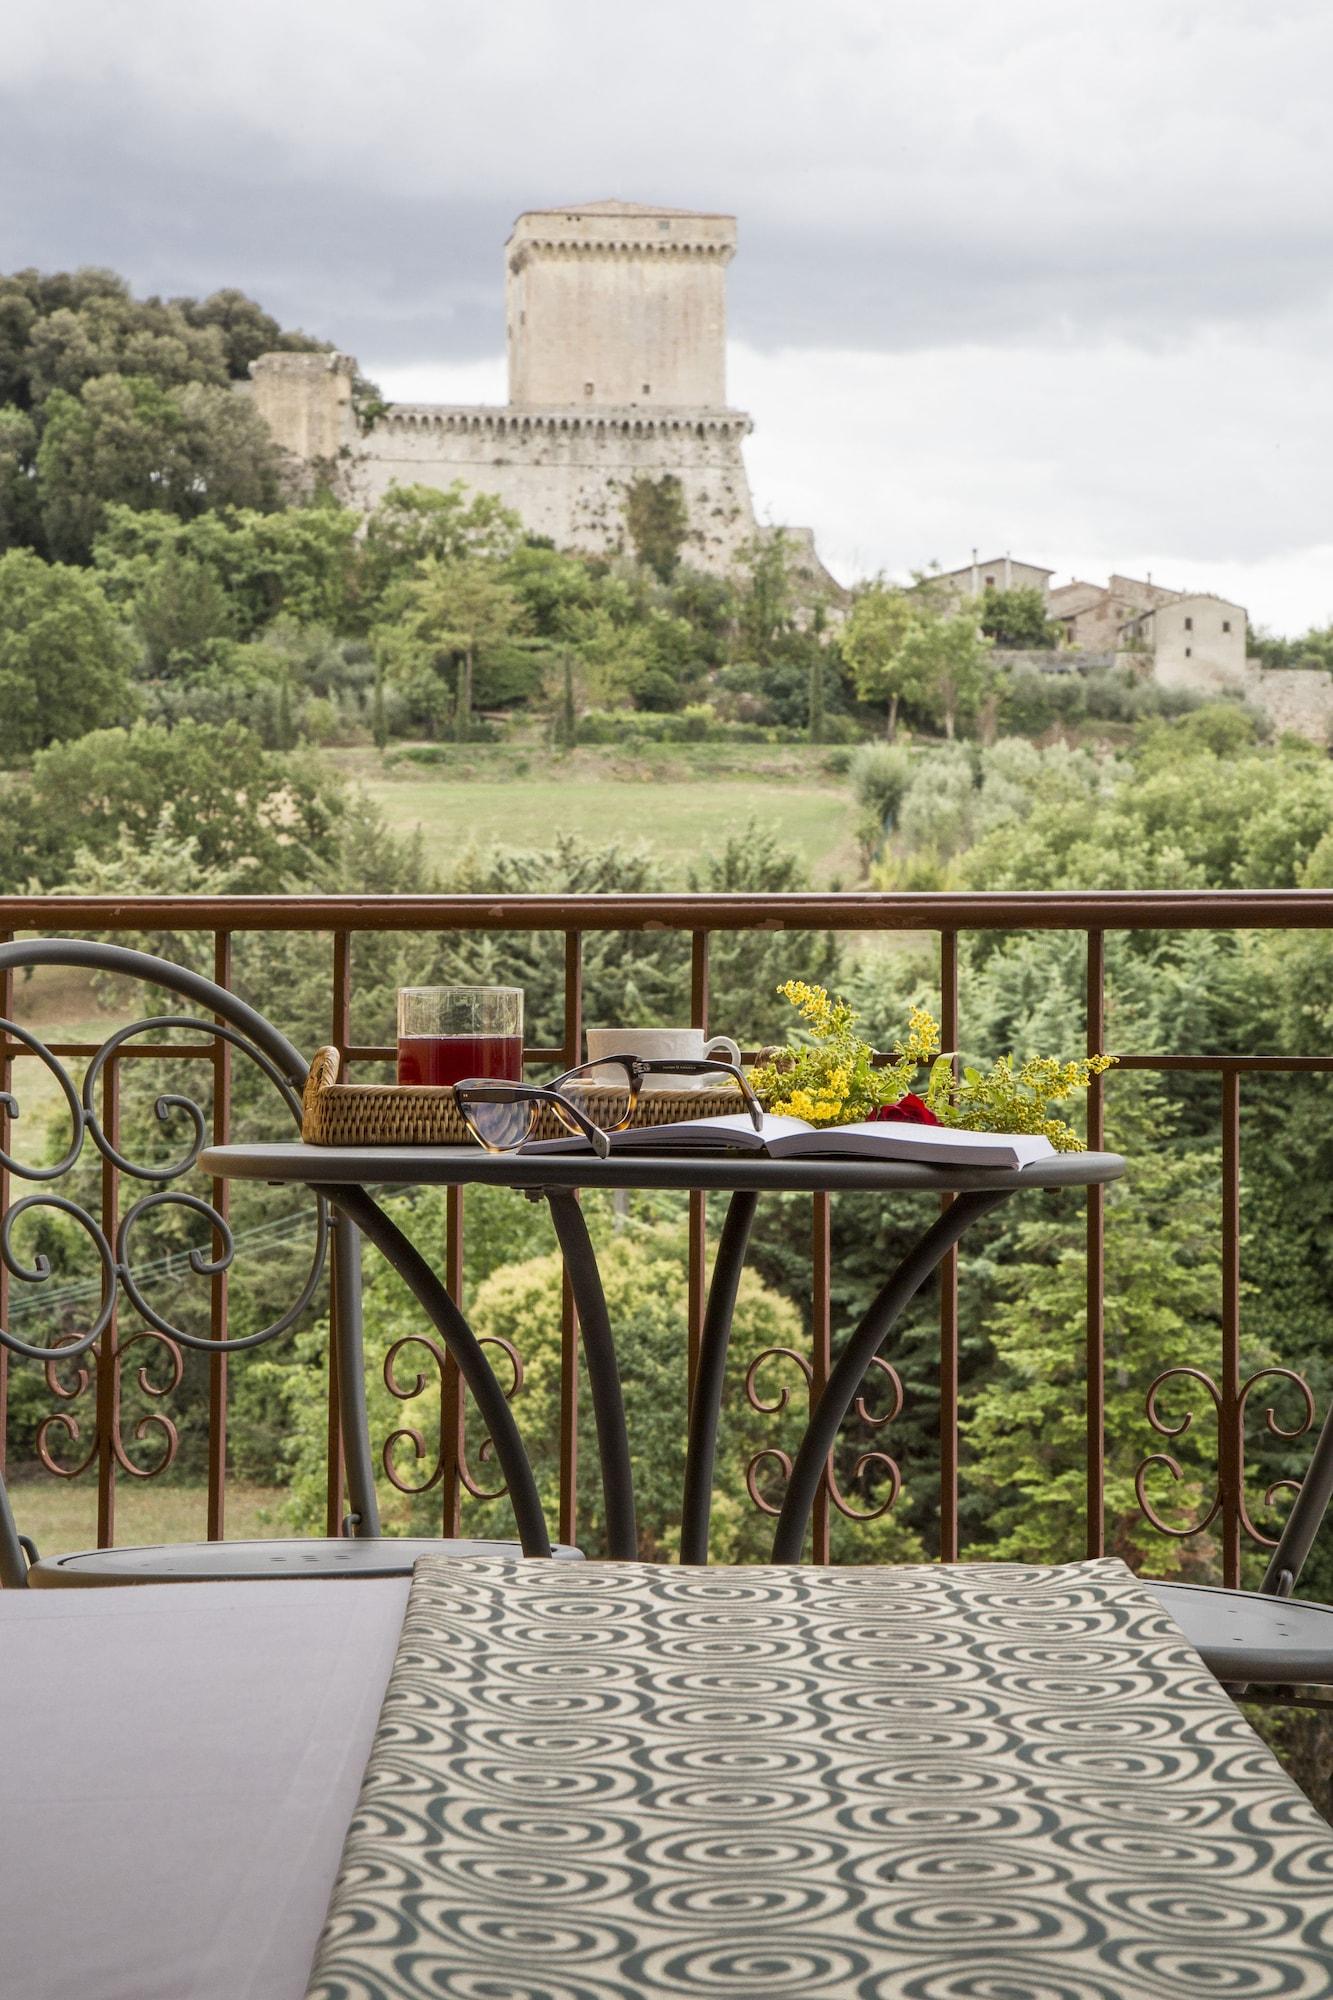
{"x": 681, "y": 805}
{"x": 61, "y": 1514}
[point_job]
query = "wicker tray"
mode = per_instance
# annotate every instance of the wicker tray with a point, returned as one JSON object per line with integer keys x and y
{"x": 391, "y": 1114}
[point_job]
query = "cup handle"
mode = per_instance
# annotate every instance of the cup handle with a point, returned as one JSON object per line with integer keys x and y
{"x": 722, "y": 1047}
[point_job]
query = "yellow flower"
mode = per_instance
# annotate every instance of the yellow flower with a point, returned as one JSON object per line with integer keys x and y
{"x": 923, "y": 1036}
{"x": 811, "y": 1002}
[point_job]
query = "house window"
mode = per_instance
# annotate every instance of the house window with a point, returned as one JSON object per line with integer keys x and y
{"x": 587, "y": 388}
{"x": 1226, "y": 624}
{"x": 1189, "y": 652}
{"x": 1189, "y": 624}
{"x": 647, "y": 388}
{"x": 990, "y": 583}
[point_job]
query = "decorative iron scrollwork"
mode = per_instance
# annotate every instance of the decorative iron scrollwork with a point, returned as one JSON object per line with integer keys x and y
{"x": 408, "y": 1434}
{"x": 86, "y": 1351}
{"x": 868, "y": 1462}
{"x": 1169, "y": 1463}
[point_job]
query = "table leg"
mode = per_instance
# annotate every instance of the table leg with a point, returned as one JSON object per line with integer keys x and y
{"x": 709, "y": 1376}
{"x": 467, "y": 1351}
{"x": 608, "y": 1405}
{"x": 848, "y": 1371}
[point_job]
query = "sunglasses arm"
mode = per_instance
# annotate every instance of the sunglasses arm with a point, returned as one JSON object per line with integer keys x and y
{"x": 597, "y": 1139}
{"x": 707, "y": 1066}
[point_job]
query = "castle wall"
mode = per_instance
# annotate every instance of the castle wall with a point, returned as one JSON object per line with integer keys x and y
{"x": 306, "y": 401}
{"x": 566, "y": 472}
{"x": 1293, "y": 698}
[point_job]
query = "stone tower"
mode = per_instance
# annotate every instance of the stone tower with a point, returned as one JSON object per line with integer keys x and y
{"x": 618, "y": 305}
{"x": 617, "y": 353}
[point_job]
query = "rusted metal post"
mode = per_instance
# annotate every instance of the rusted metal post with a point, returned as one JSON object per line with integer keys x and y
{"x": 339, "y": 1035}
{"x": 821, "y": 1354}
{"x": 571, "y": 1053}
{"x": 451, "y": 1382}
{"x": 1231, "y": 1445}
{"x": 1095, "y": 1350}
{"x": 949, "y": 1288}
{"x": 108, "y": 1355}
{"x": 6, "y": 1084}
{"x": 696, "y": 1301}
{"x": 217, "y": 1304}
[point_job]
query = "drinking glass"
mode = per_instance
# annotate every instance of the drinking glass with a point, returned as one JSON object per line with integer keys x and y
{"x": 446, "y": 1033}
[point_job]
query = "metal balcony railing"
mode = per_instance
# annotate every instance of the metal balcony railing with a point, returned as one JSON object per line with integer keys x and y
{"x": 215, "y": 924}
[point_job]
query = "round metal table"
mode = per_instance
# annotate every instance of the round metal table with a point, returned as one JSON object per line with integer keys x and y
{"x": 346, "y": 1174}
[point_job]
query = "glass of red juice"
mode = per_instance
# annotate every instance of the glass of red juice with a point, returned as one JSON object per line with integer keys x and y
{"x": 447, "y": 1033}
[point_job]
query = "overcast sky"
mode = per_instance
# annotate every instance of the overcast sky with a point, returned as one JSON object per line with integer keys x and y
{"x": 1037, "y": 276}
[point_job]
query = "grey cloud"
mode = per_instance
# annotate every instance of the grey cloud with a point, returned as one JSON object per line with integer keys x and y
{"x": 900, "y": 184}
{"x": 1076, "y": 259}
{"x": 385, "y": 277}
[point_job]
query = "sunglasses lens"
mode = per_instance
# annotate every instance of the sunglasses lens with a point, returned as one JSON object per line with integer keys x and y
{"x": 503, "y": 1123}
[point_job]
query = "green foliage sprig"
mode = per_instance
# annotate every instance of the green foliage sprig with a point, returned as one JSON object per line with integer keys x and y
{"x": 832, "y": 1076}
{"x": 1005, "y": 1099}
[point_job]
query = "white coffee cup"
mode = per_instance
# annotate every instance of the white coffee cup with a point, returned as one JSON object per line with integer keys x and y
{"x": 663, "y": 1044}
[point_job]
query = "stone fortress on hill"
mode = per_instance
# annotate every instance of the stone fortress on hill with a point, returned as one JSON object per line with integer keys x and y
{"x": 617, "y": 320}
{"x": 616, "y": 317}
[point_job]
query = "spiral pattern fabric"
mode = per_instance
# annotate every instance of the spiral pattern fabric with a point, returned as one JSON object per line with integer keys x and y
{"x": 981, "y": 1782}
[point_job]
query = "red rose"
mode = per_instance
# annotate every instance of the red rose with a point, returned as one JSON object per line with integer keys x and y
{"x": 909, "y": 1110}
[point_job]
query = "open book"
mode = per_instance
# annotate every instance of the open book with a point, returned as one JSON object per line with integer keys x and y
{"x": 793, "y": 1138}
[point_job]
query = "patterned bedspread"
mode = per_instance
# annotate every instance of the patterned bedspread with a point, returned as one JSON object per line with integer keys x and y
{"x": 980, "y": 1782}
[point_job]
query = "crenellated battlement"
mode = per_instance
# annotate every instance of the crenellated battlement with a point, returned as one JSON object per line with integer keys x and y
{"x": 482, "y": 419}
{"x": 574, "y": 247}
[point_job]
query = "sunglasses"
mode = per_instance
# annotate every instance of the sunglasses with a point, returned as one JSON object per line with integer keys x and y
{"x": 501, "y": 1116}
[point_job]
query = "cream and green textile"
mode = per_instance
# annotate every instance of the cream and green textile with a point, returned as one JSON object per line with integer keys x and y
{"x": 979, "y": 1782}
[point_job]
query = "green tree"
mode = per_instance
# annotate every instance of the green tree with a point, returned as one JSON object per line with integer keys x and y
{"x": 765, "y": 595}
{"x": 708, "y": 605}
{"x": 413, "y": 524}
{"x": 64, "y": 655}
{"x": 20, "y": 520}
{"x": 124, "y": 438}
{"x": 1016, "y": 618}
{"x": 180, "y": 611}
{"x": 245, "y": 329}
{"x": 107, "y": 332}
{"x": 615, "y": 653}
{"x": 449, "y": 618}
{"x": 874, "y": 644}
{"x": 1026, "y": 1430}
{"x": 947, "y": 660}
{"x": 18, "y": 311}
{"x": 1312, "y": 650}
{"x": 747, "y": 967}
{"x": 265, "y": 820}
{"x": 551, "y": 585}
{"x": 60, "y": 329}
{"x": 297, "y": 562}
